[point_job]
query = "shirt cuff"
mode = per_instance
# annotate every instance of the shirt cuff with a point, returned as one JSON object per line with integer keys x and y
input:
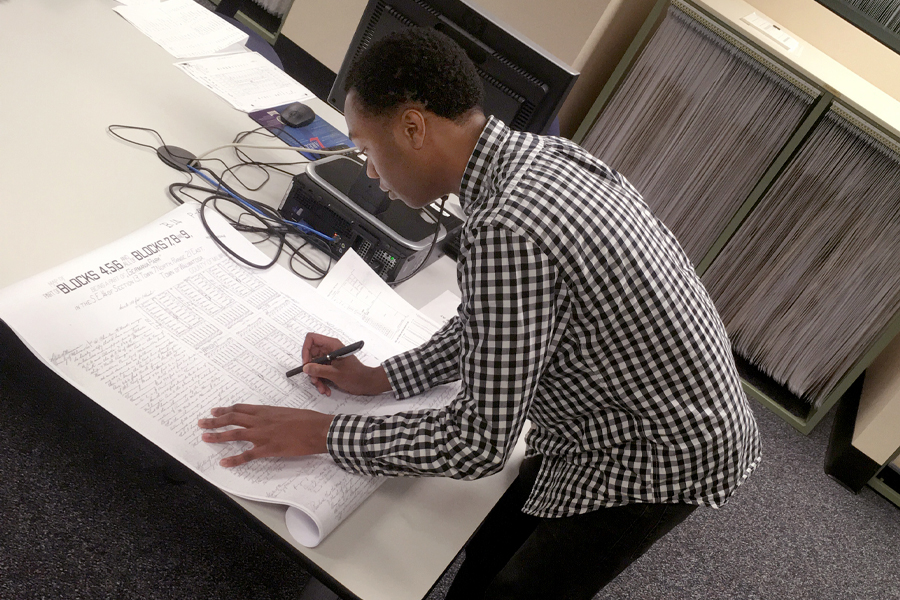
{"x": 401, "y": 377}
{"x": 346, "y": 442}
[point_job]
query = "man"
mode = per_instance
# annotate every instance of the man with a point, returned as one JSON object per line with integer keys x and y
{"x": 579, "y": 312}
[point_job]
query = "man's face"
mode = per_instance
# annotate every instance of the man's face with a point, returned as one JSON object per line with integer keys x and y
{"x": 401, "y": 169}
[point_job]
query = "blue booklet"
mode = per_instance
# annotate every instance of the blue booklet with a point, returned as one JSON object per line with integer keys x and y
{"x": 318, "y": 134}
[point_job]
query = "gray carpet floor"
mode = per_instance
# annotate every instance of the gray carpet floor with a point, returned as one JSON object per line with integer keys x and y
{"x": 790, "y": 532}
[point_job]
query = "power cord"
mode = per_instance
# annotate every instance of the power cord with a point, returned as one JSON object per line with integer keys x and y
{"x": 266, "y": 220}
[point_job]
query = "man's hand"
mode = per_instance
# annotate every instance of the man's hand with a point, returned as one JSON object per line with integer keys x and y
{"x": 273, "y": 431}
{"x": 346, "y": 373}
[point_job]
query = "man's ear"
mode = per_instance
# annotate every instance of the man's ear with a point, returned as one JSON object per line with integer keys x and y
{"x": 412, "y": 123}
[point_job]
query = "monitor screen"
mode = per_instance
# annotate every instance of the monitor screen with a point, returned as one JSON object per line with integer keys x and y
{"x": 524, "y": 86}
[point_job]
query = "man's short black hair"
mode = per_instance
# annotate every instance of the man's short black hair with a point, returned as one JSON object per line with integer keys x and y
{"x": 416, "y": 65}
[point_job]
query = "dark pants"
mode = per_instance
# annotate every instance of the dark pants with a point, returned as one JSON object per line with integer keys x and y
{"x": 517, "y": 556}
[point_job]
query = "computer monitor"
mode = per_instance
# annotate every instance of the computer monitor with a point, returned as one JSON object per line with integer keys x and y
{"x": 524, "y": 86}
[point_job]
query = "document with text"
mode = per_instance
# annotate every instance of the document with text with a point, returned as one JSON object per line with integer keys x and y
{"x": 353, "y": 285}
{"x": 161, "y": 326}
{"x": 184, "y": 28}
{"x": 246, "y": 80}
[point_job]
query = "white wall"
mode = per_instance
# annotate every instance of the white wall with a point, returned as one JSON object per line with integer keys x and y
{"x": 323, "y": 28}
{"x": 562, "y": 27}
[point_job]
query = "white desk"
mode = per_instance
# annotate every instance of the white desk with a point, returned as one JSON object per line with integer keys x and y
{"x": 69, "y": 70}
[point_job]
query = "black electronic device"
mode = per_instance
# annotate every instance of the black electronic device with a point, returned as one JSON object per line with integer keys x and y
{"x": 524, "y": 86}
{"x": 337, "y": 198}
{"x": 177, "y": 158}
{"x": 297, "y": 114}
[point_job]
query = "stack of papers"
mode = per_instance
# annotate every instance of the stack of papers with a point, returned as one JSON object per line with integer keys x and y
{"x": 184, "y": 28}
{"x": 220, "y": 60}
{"x": 246, "y": 80}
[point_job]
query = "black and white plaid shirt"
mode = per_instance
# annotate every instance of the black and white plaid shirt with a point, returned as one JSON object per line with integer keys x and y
{"x": 580, "y": 313}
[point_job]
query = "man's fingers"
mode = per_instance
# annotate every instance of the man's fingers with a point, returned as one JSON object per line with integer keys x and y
{"x": 321, "y": 371}
{"x": 234, "y": 435}
{"x": 316, "y": 345}
{"x": 249, "y": 409}
{"x": 320, "y": 376}
{"x": 226, "y": 419}
{"x": 243, "y": 457}
{"x": 231, "y": 435}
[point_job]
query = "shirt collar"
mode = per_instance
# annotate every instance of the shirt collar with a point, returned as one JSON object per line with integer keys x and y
{"x": 477, "y": 176}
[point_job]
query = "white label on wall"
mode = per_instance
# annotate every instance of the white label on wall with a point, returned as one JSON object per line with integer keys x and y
{"x": 773, "y": 31}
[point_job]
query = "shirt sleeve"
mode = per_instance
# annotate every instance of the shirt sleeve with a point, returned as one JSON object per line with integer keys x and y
{"x": 504, "y": 330}
{"x": 433, "y": 363}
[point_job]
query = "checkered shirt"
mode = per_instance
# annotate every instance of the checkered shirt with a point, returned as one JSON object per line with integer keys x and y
{"x": 580, "y": 313}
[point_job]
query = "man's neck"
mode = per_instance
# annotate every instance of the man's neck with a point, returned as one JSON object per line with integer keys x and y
{"x": 461, "y": 144}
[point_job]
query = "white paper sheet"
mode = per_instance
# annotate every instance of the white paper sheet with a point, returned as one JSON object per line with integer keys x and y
{"x": 443, "y": 308}
{"x": 162, "y": 326}
{"x": 246, "y": 80}
{"x": 182, "y": 27}
{"x": 353, "y": 285}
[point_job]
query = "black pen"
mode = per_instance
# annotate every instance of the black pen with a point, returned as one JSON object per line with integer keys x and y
{"x": 326, "y": 360}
